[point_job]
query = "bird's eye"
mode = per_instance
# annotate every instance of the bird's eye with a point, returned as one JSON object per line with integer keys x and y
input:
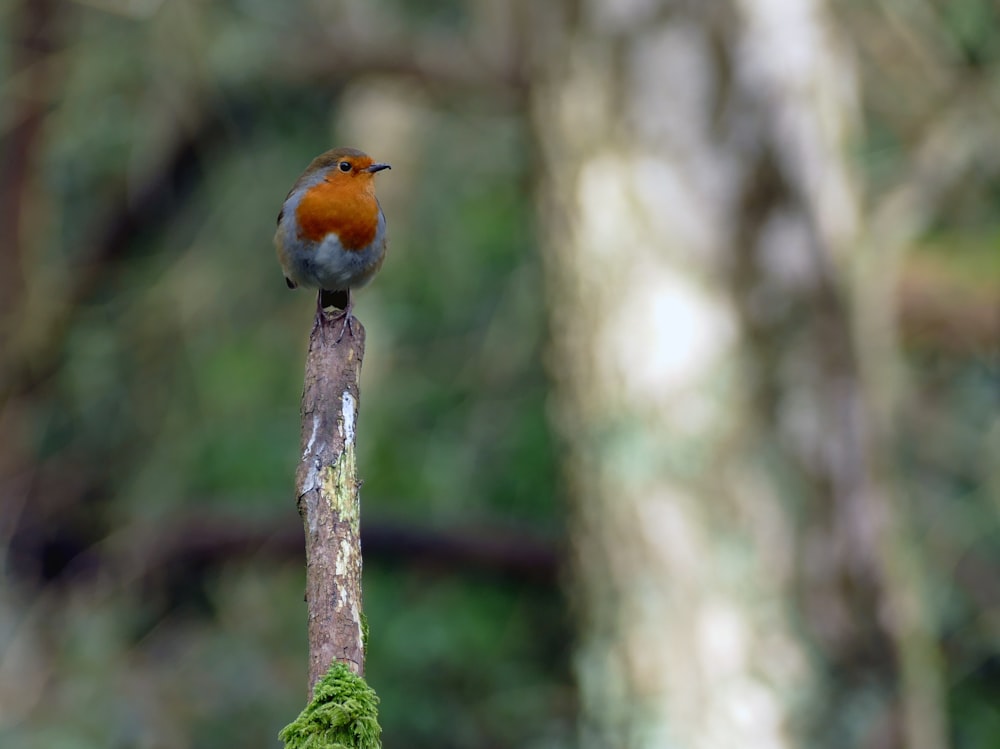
{"x": 344, "y": 166}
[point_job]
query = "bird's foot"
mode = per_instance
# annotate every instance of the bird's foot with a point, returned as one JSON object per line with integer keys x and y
{"x": 347, "y": 316}
{"x": 323, "y": 320}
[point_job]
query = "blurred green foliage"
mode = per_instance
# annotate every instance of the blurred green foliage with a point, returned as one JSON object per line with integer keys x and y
{"x": 170, "y": 393}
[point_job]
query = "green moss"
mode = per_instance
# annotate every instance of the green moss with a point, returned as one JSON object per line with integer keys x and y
{"x": 364, "y": 634}
{"x": 343, "y": 714}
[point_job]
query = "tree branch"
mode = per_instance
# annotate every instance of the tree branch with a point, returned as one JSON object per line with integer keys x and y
{"x": 327, "y": 490}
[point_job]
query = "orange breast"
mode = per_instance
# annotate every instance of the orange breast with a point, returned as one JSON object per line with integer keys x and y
{"x": 348, "y": 210}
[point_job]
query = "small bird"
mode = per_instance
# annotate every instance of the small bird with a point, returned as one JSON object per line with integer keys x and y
{"x": 331, "y": 230}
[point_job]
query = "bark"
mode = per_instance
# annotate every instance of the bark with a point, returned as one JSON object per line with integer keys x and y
{"x": 328, "y": 500}
{"x": 734, "y": 542}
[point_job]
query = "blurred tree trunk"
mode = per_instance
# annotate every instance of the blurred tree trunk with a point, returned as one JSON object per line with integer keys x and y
{"x": 736, "y": 558}
{"x": 26, "y": 99}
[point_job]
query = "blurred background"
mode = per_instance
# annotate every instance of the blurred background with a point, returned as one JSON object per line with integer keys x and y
{"x": 679, "y": 413}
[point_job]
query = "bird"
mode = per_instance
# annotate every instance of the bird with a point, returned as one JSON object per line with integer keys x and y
{"x": 331, "y": 231}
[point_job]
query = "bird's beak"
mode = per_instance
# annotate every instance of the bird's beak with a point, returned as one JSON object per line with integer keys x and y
{"x": 377, "y": 168}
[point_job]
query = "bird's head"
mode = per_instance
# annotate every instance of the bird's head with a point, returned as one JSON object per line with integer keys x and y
{"x": 344, "y": 166}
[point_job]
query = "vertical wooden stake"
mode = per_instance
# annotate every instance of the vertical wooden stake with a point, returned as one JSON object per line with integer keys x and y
{"x": 327, "y": 489}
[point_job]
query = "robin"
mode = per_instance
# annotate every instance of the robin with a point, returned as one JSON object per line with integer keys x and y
{"x": 331, "y": 229}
